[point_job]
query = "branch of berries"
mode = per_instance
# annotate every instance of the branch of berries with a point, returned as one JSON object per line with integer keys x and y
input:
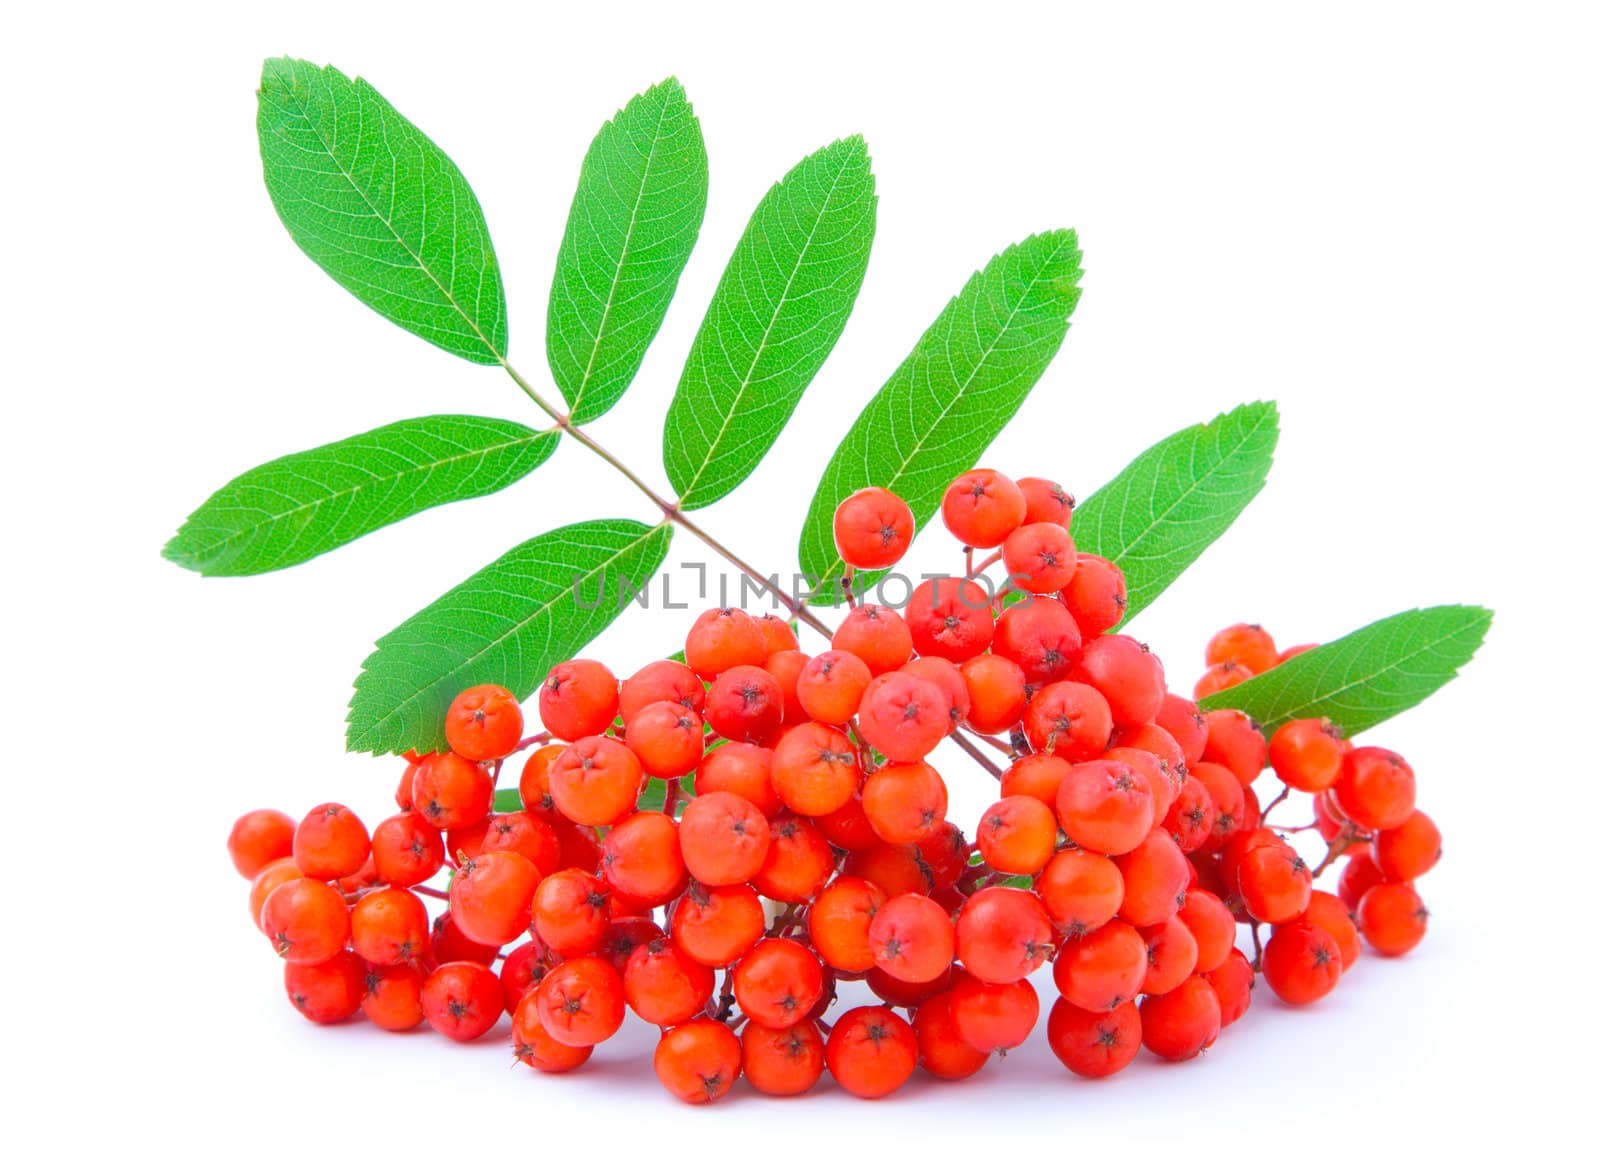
{"x": 1127, "y": 846}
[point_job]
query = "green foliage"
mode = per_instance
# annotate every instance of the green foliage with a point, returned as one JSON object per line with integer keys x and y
{"x": 1160, "y": 513}
{"x": 1367, "y": 676}
{"x": 291, "y": 509}
{"x": 371, "y": 199}
{"x": 640, "y": 201}
{"x": 777, "y": 312}
{"x": 957, "y": 388}
{"x": 506, "y": 801}
{"x": 534, "y": 606}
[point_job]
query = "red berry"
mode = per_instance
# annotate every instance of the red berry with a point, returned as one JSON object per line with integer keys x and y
{"x": 1274, "y": 883}
{"x": 1102, "y": 969}
{"x": 664, "y": 985}
{"x": 1094, "y": 1043}
{"x": 905, "y": 801}
{"x": 406, "y": 849}
{"x": 716, "y": 925}
{"x": 831, "y": 684}
{"x": 1361, "y": 874}
{"x": 947, "y": 678}
{"x": 1097, "y": 596}
{"x": 1232, "y": 982}
{"x": 950, "y": 617}
{"x": 1046, "y": 501}
{"x": 389, "y": 927}
{"x": 840, "y": 920}
{"x": 663, "y": 680}
{"x": 268, "y": 880}
{"x": 491, "y": 896}
{"x": 872, "y": 529}
{"x": 1003, "y": 934}
{"x": 306, "y": 921}
{"x": 1069, "y": 720}
{"x": 1081, "y": 891}
{"x": 783, "y": 1061}
{"x": 814, "y": 769}
{"x": 877, "y": 636}
{"x": 1376, "y": 789}
{"x": 595, "y": 781}
{"x": 330, "y": 842}
{"x": 1245, "y": 644}
{"x": 483, "y": 722}
{"x": 1154, "y": 876}
{"x": 871, "y": 1051}
{"x": 1183, "y": 719}
{"x": 1392, "y": 918}
{"x": 745, "y": 703}
{"x": 1171, "y": 954}
{"x": 449, "y": 943}
{"x": 1180, "y": 1024}
{"x": 1105, "y": 806}
{"x": 260, "y": 838}
{"x": 667, "y": 738}
{"x": 912, "y": 938}
{"x": 641, "y": 859}
{"x": 699, "y": 1061}
{"x": 724, "y": 839}
{"x": 571, "y": 911}
{"x": 799, "y": 861}
{"x": 1306, "y": 754}
{"x": 578, "y": 699}
{"x": 1211, "y": 925}
{"x": 1331, "y": 914}
{"x": 991, "y": 1016}
{"x": 451, "y": 792}
{"x": 581, "y": 1002}
{"x": 532, "y": 1044}
{"x": 462, "y": 1000}
{"x": 525, "y": 967}
{"x": 997, "y": 691}
{"x": 533, "y": 839}
{"x": 1234, "y": 740}
{"x": 742, "y": 769}
{"x": 1017, "y": 835}
{"x": 1408, "y": 850}
{"x": 326, "y": 991}
{"x": 1191, "y": 816}
{"x": 981, "y": 507}
{"x": 1219, "y": 677}
{"x": 1040, "y": 557}
{"x": 777, "y": 982}
{"x": 393, "y": 998}
{"x": 1301, "y": 963}
{"x": 1127, "y": 674}
{"x": 1039, "y": 635}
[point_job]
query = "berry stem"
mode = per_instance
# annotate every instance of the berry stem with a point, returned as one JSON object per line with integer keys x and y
{"x": 1267, "y": 810}
{"x": 673, "y": 513}
{"x": 423, "y": 890}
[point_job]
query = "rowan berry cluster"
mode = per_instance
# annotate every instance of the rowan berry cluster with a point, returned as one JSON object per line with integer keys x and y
{"x": 796, "y": 840}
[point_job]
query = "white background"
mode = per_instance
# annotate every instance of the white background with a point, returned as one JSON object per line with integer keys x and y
{"x": 1382, "y": 216}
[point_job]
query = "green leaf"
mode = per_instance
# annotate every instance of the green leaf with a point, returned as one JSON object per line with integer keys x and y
{"x": 371, "y": 199}
{"x": 957, "y": 388}
{"x": 506, "y": 801}
{"x": 1158, "y": 515}
{"x": 536, "y": 605}
{"x": 641, "y": 197}
{"x": 1366, "y": 677}
{"x": 291, "y": 509}
{"x": 777, "y": 312}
